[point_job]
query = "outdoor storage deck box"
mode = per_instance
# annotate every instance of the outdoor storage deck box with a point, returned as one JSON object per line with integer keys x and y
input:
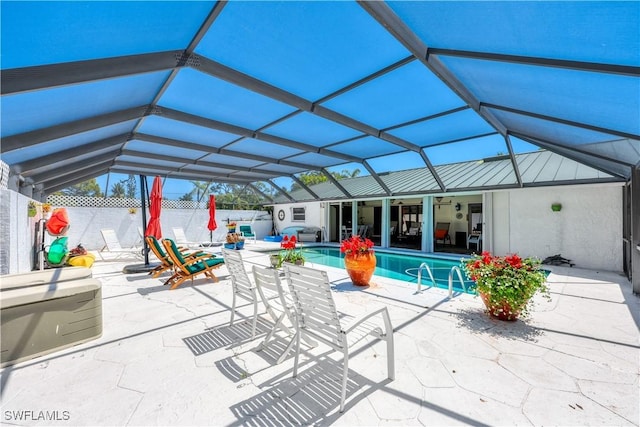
{"x": 49, "y": 310}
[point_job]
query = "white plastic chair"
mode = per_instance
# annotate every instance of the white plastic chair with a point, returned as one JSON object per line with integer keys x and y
{"x": 279, "y": 305}
{"x": 112, "y": 245}
{"x": 316, "y": 315}
{"x": 181, "y": 238}
{"x": 242, "y": 287}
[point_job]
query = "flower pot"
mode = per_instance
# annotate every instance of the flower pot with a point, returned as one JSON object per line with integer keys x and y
{"x": 274, "y": 260}
{"x": 229, "y": 245}
{"x": 360, "y": 267}
{"x": 239, "y": 245}
{"x": 500, "y": 310}
{"x": 231, "y": 230}
{"x": 32, "y": 212}
{"x": 556, "y": 207}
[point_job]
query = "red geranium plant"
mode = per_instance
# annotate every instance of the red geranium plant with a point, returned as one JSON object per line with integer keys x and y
{"x": 290, "y": 252}
{"x": 356, "y": 246}
{"x": 506, "y": 281}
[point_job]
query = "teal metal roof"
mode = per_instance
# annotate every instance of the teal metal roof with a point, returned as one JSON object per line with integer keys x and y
{"x": 539, "y": 168}
{"x": 260, "y": 92}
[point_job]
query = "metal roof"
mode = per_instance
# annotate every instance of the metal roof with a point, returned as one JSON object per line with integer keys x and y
{"x": 540, "y": 168}
{"x": 251, "y": 92}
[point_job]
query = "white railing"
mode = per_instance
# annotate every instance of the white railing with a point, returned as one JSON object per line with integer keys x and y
{"x": 424, "y": 266}
{"x": 457, "y": 270}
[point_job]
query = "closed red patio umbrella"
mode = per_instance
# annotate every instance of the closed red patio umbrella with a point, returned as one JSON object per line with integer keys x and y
{"x": 212, "y": 216}
{"x": 153, "y": 228}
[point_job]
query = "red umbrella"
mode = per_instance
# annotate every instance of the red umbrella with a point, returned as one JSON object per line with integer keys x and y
{"x": 153, "y": 228}
{"x": 212, "y": 216}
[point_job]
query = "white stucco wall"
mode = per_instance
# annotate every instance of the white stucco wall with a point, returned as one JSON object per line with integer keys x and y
{"x": 17, "y": 233}
{"x": 87, "y": 222}
{"x": 18, "y": 246}
{"x": 588, "y": 229}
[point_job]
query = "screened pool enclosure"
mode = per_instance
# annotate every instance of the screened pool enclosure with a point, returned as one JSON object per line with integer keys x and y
{"x": 259, "y": 93}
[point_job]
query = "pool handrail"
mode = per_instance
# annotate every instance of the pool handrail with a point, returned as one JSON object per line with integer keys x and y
{"x": 456, "y": 269}
{"x": 425, "y": 266}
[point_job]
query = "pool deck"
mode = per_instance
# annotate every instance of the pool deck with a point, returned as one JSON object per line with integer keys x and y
{"x": 171, "y": 358}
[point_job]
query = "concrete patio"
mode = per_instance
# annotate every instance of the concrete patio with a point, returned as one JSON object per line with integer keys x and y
{"x": 171, "y": 358}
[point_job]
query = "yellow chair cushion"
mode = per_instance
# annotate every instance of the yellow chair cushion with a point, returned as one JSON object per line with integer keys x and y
{"x": 82, "y": 260}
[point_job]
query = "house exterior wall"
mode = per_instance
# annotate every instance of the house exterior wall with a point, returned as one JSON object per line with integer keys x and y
{"x": 588, "y": 229}
{"x": 314, "y": 216}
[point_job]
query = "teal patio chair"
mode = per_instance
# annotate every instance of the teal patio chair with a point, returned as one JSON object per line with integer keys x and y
{"x": 247, "y": 232}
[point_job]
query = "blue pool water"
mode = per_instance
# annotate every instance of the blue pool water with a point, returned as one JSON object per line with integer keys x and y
{"x": 396, "y": 266}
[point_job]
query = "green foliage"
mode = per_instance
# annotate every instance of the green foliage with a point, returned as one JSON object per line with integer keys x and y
{"x": 89, "y": 188}
{"x": 509, "y": 279}
{"x": 130, "y": 185}
{"x": 199, "y": 190}
{"x": 317, "y": 177}
{"x": 117, "y": 190}
{"x": 228, "y": 196}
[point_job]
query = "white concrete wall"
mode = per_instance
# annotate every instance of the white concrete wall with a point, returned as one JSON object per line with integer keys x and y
{"x": 18, "y": 246}
{"x": 87, "y": 222}
{"x": 17, "y": 233}
{"x": 588, "y": 229}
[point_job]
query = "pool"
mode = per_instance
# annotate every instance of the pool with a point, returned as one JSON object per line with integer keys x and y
{"x": 397, "y": 266}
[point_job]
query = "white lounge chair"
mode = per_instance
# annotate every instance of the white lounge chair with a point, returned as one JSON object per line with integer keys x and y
{"x": 316, "y": 315}
{"x": 181, "y": 238}
{"x": 112, "y": 246}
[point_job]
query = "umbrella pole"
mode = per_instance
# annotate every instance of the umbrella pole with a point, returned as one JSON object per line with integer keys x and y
{"x": 146, "y": 267}
{"x": 143, "y": 190}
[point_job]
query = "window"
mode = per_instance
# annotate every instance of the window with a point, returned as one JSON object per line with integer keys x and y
{"x": 298, "y": 214}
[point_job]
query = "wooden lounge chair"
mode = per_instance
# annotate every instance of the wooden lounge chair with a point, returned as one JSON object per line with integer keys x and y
{"x": 188, "y": 268}
{"x": 316, "y": 315}
{"x": 164, "y": 258}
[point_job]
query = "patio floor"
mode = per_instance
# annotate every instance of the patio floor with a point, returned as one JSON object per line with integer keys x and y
{"x": 171, "y": 358}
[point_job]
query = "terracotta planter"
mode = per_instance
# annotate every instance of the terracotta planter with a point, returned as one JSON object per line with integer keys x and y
{"x": 501, "y": 310}
{"x": 360, "y": 267}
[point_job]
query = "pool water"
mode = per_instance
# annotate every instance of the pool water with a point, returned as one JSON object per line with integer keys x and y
{"x": 397, "y": 266}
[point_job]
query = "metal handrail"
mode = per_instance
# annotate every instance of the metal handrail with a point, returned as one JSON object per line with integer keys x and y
{"x": 456, "y": 269}
{"x": 425, "y": 266}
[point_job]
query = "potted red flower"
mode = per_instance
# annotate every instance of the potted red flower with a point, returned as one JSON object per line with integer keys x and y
{"x": 506, "y": 284}
{"x": 290, "y": 252}
{"x": 359, "y": 259}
